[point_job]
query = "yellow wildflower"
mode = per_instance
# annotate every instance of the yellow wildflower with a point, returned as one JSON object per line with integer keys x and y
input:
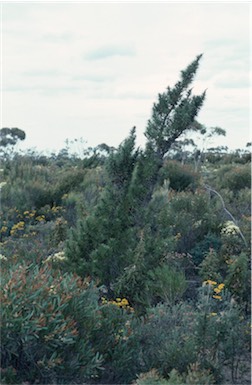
{"x": 17, "y": 226}
{"x": 104, "y": 300}
{"x": 56, "y": 209}
{"x": 217, "y": 297}
{"x": 210, "y": 282}
{"x": 121, "y": 303}
{"x": 40, "y": 218}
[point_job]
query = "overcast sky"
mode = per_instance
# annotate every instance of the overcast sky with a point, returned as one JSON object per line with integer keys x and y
{"x": 94, "y": 70}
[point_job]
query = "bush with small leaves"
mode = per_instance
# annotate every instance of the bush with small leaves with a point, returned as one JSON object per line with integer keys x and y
{"x": 210, "y": 242}
{"x": 167, "y": 284}
{"x": 152, "y": 378}
{"x": 220, "y": 329}
{"x": 212, "y": 266}
{"x": 167, "y": 340}
{"x": 194, "y": 376}
{"x": 236, "y": 178}
{"x": 191, "y": 217}
{"x": 181, "y": 177}
{"x": 114, "y": 338}
{"x": 238, "y": 278}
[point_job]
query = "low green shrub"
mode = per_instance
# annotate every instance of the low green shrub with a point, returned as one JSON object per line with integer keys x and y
{"x": 191, "y": 217}
{"x": 56, "y": 329}
{"x": 41, "y": 338}
{"x": 167, "y": 284}
{"x": 210, "y": 242}
{"x": 194, "y": 376}
{"x": 212, "y": 266}
{"x": 238, "y": 278}
{"x": 220, "y": 329}
{"x": 236, "y": 178}
{"x": 67, "y": 180}
{"x": 115, "y": 340}
{"x": 197, "y": 341}
{"x": 181, "y": 177}
{"x": 167, "y": 339}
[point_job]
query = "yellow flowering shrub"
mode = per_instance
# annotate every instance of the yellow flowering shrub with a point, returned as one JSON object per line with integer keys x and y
{"x": 120, "y": 303}
{"x": 3, "y": 229}
{"x": 215, "y": 288}
{"x": 18, "y": 227}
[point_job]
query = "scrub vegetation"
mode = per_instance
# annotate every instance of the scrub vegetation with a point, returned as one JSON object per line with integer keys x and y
{"x": 127, "y": 265}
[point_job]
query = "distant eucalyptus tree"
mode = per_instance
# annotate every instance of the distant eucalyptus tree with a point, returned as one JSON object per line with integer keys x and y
{"x": 9, "y": 137}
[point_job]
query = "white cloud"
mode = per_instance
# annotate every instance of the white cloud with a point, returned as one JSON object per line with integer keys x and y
{"x": 109, "y": 51}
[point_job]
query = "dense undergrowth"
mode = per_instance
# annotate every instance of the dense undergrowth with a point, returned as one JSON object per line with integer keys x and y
{"x": 180, "y": 309}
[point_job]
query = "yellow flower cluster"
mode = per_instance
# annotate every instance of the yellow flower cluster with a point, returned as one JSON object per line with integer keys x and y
{"x": 29, "y": 214}
{"x": 17, "y": 227}
{"x": 121, "y": 303}
{"x": 31, "y": 234}
{"x": 217, "y": 290}
{"x": 56, "y": 209}
{"x": 209, "y": 282}
{"x": 3, "y": 229}
{"x": 40, "y": 218}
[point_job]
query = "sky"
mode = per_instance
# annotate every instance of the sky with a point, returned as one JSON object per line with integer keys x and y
{"x": 93, "y": 70}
